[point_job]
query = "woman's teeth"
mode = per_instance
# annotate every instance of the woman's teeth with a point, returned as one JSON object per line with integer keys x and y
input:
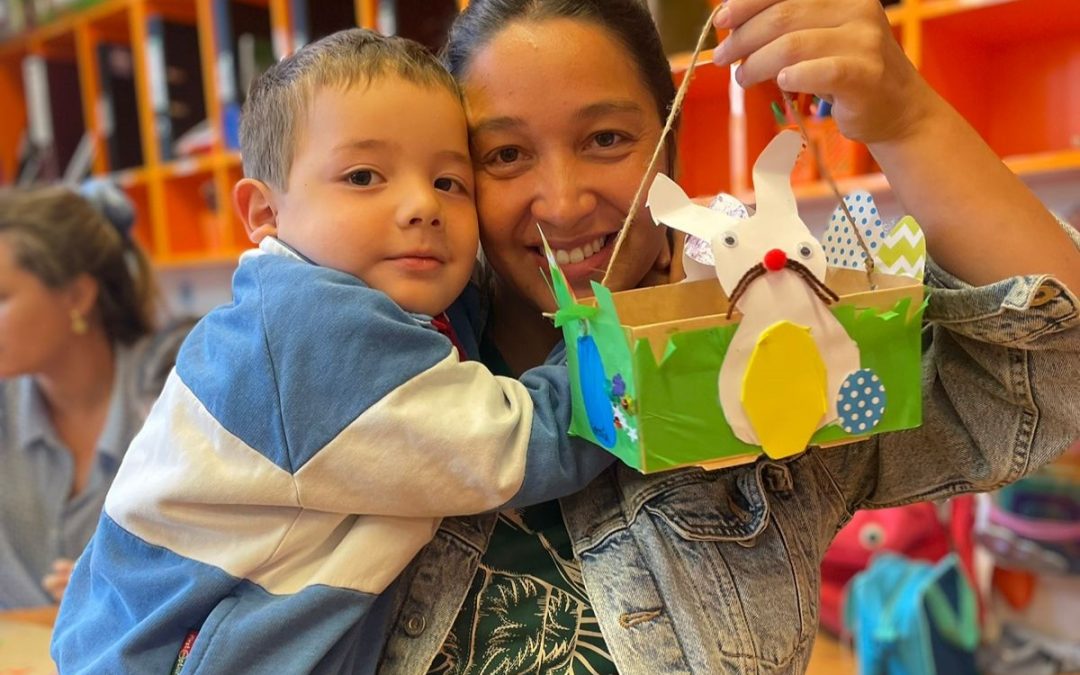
{"x": 576, "y": 255}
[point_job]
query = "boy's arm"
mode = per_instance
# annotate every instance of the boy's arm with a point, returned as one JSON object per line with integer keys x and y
{"x": 452, "y": 439}
{"x": 379, "y": 417}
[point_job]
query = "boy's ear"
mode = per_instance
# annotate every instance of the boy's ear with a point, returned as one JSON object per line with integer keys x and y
{"x": 254, "y": 202}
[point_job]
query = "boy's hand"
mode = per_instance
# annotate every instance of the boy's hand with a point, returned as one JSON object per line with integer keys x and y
{"x": 841, "y": 50}
{"x": 56, "y": 581}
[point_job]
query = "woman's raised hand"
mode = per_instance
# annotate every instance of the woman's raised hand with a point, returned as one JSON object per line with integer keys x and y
{"x": 841, "y": 50}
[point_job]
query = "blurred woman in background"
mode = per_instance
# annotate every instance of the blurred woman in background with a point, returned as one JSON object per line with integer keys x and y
{"x": 80, "y": 364}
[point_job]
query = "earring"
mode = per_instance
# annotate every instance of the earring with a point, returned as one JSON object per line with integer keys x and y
{"x": 78, "y": 323}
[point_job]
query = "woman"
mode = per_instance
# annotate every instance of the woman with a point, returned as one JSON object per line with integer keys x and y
{"x": 691, "y": 571}
{"x": 80, "y": 368}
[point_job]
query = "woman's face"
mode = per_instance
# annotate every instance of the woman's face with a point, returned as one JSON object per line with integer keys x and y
{"x": 35, "y": 320}
{"x": 563, "y": 128}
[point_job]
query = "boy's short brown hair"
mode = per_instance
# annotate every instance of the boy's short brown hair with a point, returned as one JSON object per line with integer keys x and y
{"x": 280, "y": 98}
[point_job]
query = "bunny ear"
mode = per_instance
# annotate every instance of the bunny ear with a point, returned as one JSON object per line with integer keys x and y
{"x": 772, "y": 175}
{"x": 670, "y": 206}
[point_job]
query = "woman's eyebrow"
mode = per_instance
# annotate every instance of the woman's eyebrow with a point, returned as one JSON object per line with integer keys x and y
{"x": 588, "y": 112}
{"x": 491, "y": 124}
{"x": 603, "y": 108}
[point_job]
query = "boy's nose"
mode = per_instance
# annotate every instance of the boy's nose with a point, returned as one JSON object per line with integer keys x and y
{"x": 422, "y": 207}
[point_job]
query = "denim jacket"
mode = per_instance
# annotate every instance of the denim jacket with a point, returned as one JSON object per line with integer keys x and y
{"x": 718, "y": 572}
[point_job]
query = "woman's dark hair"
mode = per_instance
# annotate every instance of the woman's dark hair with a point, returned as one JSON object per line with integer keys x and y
{"x": 628, "y": 21}
{"x": 57, "y": 235}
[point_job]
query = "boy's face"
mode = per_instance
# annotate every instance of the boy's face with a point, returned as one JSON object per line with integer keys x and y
{"x": 381, "y": 187}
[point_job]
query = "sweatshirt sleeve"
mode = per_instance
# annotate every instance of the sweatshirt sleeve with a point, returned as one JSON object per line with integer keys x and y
{"x": 387, "y": 421}
{"x": 367, "y": 409}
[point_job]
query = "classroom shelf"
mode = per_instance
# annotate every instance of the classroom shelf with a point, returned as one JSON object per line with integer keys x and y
{"x": 133, "y": 76}
{"x": 1012, "y": 69}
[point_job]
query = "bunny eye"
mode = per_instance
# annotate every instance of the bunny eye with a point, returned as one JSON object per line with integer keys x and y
{"x": 805, "y": 252}
{"x": 729, "y": 239}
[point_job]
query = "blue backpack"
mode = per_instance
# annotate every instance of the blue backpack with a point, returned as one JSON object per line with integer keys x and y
{"x": 913, "y": 618}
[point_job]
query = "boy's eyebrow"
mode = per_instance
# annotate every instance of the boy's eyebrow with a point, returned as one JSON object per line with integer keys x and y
{"x": 593, "y": 110}
{"x": 376, "y": 144}
{"x": 454, "y": 156}
{"x": 361, "y": 144}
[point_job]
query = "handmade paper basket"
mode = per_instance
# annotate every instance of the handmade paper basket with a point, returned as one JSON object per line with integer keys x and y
{"x": 647, "y": 366}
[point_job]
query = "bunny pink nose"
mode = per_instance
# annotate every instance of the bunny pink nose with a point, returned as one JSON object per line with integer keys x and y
{"x": 775, "y": 260}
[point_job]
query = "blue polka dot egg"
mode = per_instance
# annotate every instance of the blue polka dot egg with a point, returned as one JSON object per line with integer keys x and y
{"x": 860, "y": 405}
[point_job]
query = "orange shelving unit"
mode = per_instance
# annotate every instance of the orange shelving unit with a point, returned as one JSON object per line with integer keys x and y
{"x": 134, "y": 74}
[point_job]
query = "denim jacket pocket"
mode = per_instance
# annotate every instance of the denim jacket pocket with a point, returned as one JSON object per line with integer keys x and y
{"x": 709, "y": 506}
{"x": 733, "y": 572}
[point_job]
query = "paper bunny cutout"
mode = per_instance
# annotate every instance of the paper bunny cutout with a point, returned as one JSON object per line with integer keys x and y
{"x": 783, "y": 372}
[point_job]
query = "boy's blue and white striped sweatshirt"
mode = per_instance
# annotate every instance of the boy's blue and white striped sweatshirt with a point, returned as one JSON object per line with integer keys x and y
{"x": 304, "y": 449}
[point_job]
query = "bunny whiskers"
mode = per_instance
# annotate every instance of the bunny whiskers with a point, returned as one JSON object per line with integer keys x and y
{"x": 820, "y": 289}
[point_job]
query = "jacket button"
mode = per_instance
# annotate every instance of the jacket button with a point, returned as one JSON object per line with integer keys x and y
{"x": 415, "y": 625}
{"x": 1045, "y": 294}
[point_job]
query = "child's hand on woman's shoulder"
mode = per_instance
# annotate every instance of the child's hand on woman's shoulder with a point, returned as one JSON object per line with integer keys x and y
{"x": 841, "y": 50}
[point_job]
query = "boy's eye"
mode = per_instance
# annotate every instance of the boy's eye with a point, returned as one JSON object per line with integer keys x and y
{"x": 364, "y": 177}
{"x": 448, "y": 185}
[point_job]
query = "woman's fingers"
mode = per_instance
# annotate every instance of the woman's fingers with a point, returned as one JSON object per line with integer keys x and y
{"x": 774, "y": 20}
{"x": 766, "y": 62}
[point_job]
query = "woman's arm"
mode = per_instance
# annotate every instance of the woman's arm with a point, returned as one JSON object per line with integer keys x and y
{"x": 982, "y": 224}
{"x": 1001, "y": 395}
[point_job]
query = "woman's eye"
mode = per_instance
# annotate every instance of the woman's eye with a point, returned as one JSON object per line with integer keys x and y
{"x": 506, "y": 161}
{"x": 364, "y": 177}
{"x": 606, "y": 139}
{"x": 506, "y": 155}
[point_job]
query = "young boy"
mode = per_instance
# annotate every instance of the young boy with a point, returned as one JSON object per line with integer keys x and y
{"x": 315, "y": 430}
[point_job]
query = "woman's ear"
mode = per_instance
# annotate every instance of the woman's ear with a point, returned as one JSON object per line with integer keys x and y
{"x": 254, "y": 203}
{"x": 82, "y": 295}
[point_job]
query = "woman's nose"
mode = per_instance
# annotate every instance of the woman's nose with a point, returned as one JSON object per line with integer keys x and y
{"x": 561, "y": 200}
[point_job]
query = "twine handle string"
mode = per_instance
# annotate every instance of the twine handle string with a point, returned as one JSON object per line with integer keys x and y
{"x": 827, "y": 176}
{"x": 669, "y": 124}
{"x": 673, "y": 114}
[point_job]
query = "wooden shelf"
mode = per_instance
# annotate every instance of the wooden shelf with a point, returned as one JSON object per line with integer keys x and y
{"x": 1044, "y": 163}
{"x": 129, "y": 178}
{"x": 186, "y": 166}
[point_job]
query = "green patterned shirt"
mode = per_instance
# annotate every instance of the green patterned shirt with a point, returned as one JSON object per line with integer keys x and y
{"x": 527, "y": 610}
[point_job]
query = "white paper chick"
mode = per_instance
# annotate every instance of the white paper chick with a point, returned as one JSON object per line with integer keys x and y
{"x": 789, "y": 357}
